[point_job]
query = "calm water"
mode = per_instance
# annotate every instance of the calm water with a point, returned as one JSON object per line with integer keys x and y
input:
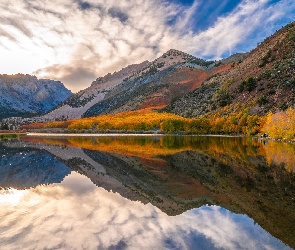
{"x": 146, "y": 193}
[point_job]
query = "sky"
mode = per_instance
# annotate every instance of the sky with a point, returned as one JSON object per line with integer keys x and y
{"x": 77, "y": 41}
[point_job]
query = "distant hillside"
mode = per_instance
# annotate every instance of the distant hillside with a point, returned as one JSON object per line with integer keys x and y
{"x": 149, "y": 84}
{"x": 79, "y": 103}
{"x": 145, "y": 85}
{"x": 25, "y": 95}
{"x": 173, "y": 74}
{"x": 263, "y": 81}
{"x": 260, "y": 81}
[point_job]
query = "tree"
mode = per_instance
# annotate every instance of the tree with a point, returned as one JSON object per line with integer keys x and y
{"x": 281, "y": 124}
{"x": 4, "y": 126}
{"x": 249, "y": 84}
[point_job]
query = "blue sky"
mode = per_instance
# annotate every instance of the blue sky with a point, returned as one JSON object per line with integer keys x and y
{"x": 76, "y": 41}
{"x": 208, "y": 12}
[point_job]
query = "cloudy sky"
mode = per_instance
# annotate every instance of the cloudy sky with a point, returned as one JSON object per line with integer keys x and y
{"x": 76, "y": 41}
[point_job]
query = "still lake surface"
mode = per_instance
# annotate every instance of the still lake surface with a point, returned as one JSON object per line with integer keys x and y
{"x": 146, "y": 192}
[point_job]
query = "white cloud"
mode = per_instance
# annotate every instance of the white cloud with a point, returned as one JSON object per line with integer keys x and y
{"x": 78, "y": 215}
{"x": 78, "y": 41}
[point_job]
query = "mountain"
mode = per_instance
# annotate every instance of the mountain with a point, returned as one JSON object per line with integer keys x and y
{"x": 25, "y": 95}
{"x": 260, "y": 81}
{"x": 146, "y": 85}
{"x": 149, "y": 84}
{"x": 263, "y": 81}
{"x": 78, "y": 104}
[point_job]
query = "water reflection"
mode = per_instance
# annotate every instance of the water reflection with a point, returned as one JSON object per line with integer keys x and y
{"x": 22, "y": 167}
{"x": 76, "y": 214}
{"x": 237, "y": 147}
{"x": 174, "y": 175}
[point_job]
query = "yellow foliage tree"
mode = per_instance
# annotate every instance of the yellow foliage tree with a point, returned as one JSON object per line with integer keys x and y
{"x": 281, "y": 124}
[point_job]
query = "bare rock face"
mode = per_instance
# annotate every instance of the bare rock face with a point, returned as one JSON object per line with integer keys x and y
{"x": 26, "y": 94}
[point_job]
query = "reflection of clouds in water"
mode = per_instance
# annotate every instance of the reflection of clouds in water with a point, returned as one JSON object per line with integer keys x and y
{"x": 61, "y": 216}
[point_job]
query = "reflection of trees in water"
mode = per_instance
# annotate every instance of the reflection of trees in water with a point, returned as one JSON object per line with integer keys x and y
{"x": 177, "y": 173}
{"x": 239, "y": 148}
{"x": 281, "y": 154}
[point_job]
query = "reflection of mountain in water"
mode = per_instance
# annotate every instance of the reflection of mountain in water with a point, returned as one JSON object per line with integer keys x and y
{"x": 24, "y": 167}
{"x": 188, "y": 172}
{"x": 178, "y": 182}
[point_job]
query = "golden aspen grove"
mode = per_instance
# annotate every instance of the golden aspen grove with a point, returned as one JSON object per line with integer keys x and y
{"x": 146, "y": 120}
{"x": 278, "y": 125}
{"x": 281, "y": 124}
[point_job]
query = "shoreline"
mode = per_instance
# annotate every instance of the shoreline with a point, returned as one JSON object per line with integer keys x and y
{"x": 291, "y": 141}
{"x": 11, "y": 135}
{"x": 122, "y": 134}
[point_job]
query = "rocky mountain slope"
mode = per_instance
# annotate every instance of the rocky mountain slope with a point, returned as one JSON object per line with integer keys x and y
{"x": 149, "y": 84}
{"x": 23, "y": 95}
{"x": 263, "y": 81}
{"x": 146, "y": 85}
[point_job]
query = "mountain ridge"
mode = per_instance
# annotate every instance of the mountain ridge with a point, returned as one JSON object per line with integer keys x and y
{"x": 262, "y": 82}
{"x": 134, "y": 87}
{"x": 259, "y": 81}
{"x": 28, "y": 95}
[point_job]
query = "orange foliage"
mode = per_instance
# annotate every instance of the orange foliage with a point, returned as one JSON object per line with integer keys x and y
{"x": 162, "y": 145}
{"x": 281, "y": 153}
{"x": 281, "y": 124}
{"x": 132, "y": 120}
{"x": 146, "y": 120}
{"x": 32, "y": 126}
{"x": 41, "y": 125}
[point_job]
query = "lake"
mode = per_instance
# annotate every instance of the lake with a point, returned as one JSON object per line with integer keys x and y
{"x": 146, "y": 192}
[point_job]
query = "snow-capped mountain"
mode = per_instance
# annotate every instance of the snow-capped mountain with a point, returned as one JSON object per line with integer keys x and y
{"x": 25, "y": 94}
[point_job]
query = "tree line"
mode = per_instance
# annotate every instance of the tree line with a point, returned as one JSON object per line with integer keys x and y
{"x": 276, "y": 125}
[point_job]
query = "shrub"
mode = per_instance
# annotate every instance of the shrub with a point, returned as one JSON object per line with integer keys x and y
{"x": 265, "y": 59}
{"x": 249, "y": 84}
{"x": 262, "y": 100}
